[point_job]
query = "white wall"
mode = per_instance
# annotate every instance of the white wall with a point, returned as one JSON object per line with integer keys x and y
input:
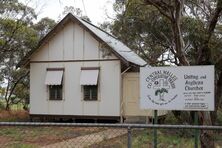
{"x": 71, "y": 43}
{"x": 67, "y": 46}
{"x": 108, "y": 103}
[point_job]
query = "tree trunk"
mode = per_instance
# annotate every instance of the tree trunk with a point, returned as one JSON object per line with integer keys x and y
{"x": 207, "y": 118}
{"x": 206, "y": 136}
{"x": 218, "y": 99}
{"x": 7, "y": 106}
{"x": 178, "y": 38}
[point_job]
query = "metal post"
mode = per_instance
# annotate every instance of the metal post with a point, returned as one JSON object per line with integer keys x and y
{"x": 129, "y": 137}
{"x": 155, "y": 130}
{"x": 196, "y": 131}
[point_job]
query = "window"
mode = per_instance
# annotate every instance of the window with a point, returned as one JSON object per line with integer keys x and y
{"x": 55, "y": 92}
{"x": 54, "y": 82}
{"x": 89, "y": 80}
{"x": 90, "y": 92}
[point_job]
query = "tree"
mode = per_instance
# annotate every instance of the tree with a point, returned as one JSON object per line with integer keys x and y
{"x": 44, "y": 26}
{"x": 144, "y": 36}
{"x": 74, "y": 11}
{"x": 14, "y": 81}
{"x": 17, "y": 37}
{"x": 21, "y": 91}
{"x": 14, "y": 16}
{"x": 179, "y": 32}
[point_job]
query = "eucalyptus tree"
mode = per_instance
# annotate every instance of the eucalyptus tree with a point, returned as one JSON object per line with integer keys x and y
{"x": 44, "y": 26}
{"x": 175, "y": 32}
{"x": 74, "y": 11}
{"x": 17, "y": 37}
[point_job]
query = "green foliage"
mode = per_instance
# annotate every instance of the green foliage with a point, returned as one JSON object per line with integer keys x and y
{"x": 143, "y": 29}
{"x": 144, "y": 138}
{"x": 219, "y": 117}
{"x": 18, "y": 36}
{"x": 147, "y": 30}
{"x": 195, "y": 34}
{"x": 22, "y": 145}
{"x": 44, "y": 26}
{"x": 18, "y": 39}
{"x": 166, "y": 138}
{"x": 1, "y": 105}
{"x": 13, "y": 9}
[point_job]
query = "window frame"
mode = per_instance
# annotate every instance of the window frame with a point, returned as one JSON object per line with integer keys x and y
{"x": 87, "y": 86}
{"x": 56, "y": 88}
{"x": 91, "y": 97}
{"x": 60, "y": 86}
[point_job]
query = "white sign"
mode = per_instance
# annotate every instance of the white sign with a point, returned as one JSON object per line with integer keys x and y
{"x": 177, "y": 88}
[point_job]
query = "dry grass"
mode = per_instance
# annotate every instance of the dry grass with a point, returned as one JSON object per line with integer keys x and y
{"x": 32, "y": 137}
{"x": 12, "y": 115}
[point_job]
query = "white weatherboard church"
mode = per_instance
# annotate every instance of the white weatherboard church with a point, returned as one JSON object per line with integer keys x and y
{"x": 79, "y": 71}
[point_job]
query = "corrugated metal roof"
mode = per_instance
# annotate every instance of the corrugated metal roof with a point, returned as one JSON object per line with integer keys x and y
{"x": 89, "y": 77}
{"x": 54, "y": 77}
{"x": 115, "y": 44}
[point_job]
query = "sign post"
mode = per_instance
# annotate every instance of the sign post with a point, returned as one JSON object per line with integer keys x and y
{"x": 196, "y": 135}
{"x": 155, "y": 130}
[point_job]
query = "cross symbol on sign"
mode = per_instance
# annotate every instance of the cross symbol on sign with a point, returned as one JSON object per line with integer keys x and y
{"x": 162, "y": 83}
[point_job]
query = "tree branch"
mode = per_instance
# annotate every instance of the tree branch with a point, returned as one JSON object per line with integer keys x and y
{"x": 175, "y": 11}
{"x": 204, "y": 51}
{"x": 161, "y": 8}
{"x": 15, "y": 84}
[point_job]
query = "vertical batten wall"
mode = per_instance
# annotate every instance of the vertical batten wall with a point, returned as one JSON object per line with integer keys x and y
{"x": 69, "y": 45}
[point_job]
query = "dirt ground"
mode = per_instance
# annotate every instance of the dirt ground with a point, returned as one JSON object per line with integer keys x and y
{"x": 40, "y": 136}
{"x": 12, "y": 115}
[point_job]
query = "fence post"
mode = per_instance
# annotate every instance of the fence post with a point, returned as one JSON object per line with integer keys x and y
{"x": 129, "y": 135}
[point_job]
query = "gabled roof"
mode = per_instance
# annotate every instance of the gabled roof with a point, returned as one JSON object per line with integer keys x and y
{"x": 118, "y": 48}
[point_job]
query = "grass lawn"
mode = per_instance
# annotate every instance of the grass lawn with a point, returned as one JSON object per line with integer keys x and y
{"x": 166, "y": 139}
{"x": 14, "y": 107}
{"x": 144, "y": 138}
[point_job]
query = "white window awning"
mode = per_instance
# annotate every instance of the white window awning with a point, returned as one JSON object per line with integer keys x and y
{"x": 89, "y": 77}
{"x": 54, "y": 77}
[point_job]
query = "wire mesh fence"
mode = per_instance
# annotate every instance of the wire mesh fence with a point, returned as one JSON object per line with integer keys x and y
{"x": 77, "y": 135}
{"x": 60, "y": 136}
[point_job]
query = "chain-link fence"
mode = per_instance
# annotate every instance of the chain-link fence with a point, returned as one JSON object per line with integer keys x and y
{"x": 78, "y": 135}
